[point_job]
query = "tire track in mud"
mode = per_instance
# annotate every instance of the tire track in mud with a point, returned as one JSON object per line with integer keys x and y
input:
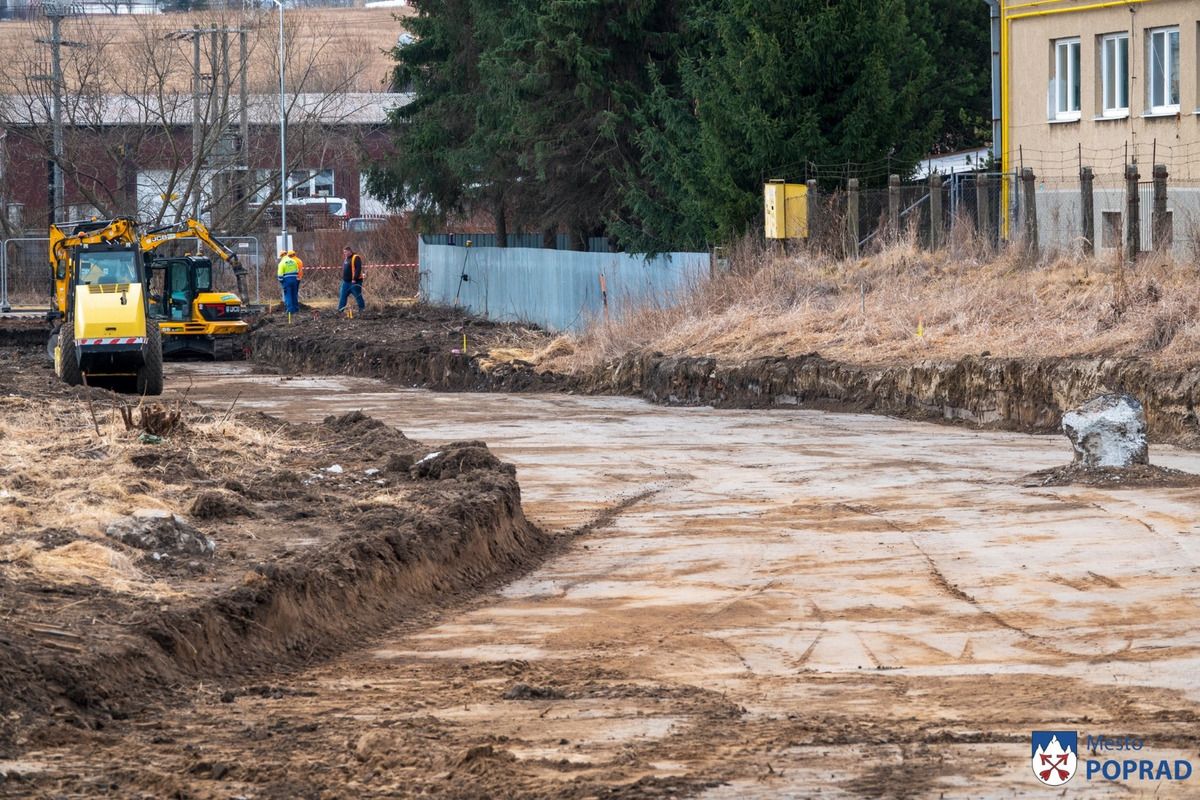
{"x": 952, "y": 590}
{"x": 600, "y": 521}
{"x": 1173, "y": 539}
{"x": 609, "y": 515}
{"x": 819, "y": 615}
{"x": 1032, "y": 640}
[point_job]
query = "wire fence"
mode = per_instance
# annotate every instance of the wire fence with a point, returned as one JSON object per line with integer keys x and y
{"x": 1118, "y": 208}
{"x": 1045, "y": 215}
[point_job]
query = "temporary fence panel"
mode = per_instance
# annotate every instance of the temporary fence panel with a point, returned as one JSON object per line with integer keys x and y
{"x": 556, "y": 289}
{"x": 26, "y": 279}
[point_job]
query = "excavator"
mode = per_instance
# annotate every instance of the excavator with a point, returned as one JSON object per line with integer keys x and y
{"x": 195, "y": 319}
{"x": 100, "y": 307}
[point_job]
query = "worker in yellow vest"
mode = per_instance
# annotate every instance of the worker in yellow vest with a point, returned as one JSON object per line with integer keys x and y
{"x": 289, "y": 281}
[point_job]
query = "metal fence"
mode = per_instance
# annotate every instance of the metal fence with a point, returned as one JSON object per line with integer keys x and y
{"x": 562, "y": 241}
{"x": 26, "y": 280}
{"x": 1046, "y": 216}
{"x": 556, "y": 289}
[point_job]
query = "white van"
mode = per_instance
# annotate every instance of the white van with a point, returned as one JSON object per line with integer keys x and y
{"x": 333, "y": 206}
{"x": 365, "y": 224}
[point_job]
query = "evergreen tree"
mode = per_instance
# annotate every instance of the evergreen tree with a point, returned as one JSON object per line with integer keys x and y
{"x": 590, "y": 60}
{"x": 433, "y": 169}
{"x": 659, "y": 120}
{"x": 773, "y": 85}
{"x": 957, "y": 35}
{"x": 519, "y": 105}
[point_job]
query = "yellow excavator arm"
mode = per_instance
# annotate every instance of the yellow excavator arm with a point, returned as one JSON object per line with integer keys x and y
{"x": 194, "y": 229}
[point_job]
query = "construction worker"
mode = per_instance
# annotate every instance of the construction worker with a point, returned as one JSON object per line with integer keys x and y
{"x": 289, "y": 281}
{"x": 300, "y": 263}
{"x": 352, "y": 278}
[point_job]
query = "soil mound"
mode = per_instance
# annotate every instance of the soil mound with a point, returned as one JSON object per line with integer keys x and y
{"x": 310, "y": 546}
{"x": 1132, "y": 477}
{"x": 421, "y": 346}
{"x": 458, "y": 458}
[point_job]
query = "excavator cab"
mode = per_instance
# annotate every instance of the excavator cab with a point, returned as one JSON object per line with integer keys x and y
{"x": 113, "y": 267}
{"x": 195, "y": 320}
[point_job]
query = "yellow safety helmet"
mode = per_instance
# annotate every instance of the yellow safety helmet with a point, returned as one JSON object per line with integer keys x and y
{"x": 282, "y": 253}
{"x": 291, "y": 252}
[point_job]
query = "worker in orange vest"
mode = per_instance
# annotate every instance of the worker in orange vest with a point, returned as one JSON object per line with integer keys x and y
{"x": 352, "y": 279}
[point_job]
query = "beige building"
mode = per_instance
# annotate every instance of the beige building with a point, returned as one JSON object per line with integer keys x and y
{"x": 1102, "y": 85}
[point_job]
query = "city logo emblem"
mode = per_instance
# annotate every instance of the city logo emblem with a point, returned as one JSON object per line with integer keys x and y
{"x": 1055, "y": 756}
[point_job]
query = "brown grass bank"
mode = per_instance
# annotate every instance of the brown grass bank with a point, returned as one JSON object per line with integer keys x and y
{"x": 906, "y": 305}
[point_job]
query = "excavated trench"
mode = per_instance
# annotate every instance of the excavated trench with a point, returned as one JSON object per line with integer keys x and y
{"x": 310, "y": 606}
{"x": 1018, "y": 394}
{"x": 1028, "y": 395}
{"x": 468, "y": 536}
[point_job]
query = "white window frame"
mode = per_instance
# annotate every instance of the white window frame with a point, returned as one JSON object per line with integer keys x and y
{"x": 1162, "y": 70}
{"x": 1114, "y": 75}
{"x": 310, "y": 183}
{"x": 1065, "y": 84}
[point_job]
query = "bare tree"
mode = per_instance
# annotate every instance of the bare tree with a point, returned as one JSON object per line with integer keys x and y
{"x": 165, "y": 120}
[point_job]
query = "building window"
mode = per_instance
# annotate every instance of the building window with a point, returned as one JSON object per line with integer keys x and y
{"x": 1065, "y": 83}
{"x": 1114, "y": 75}
{"x": 301, "y": 184}
{"x": 310, "y": 183}
{"x": 1162, "y": 70}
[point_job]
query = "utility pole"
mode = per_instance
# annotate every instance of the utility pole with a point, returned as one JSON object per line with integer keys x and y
{"x": 207, "y": 106}
{"x": 56, "y": 12}
{"x": 283, "y": 176}
{"x": 244, "y": 139}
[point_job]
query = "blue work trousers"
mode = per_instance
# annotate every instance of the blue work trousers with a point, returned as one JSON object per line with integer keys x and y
{"x": 291, "y": 293}
{"x": 348, "y": 289}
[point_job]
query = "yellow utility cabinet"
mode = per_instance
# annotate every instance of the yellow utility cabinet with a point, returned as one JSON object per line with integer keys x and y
{"x": 786, "y": 206}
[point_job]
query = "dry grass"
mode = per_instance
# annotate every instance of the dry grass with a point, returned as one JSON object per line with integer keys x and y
{"x": 58, "y": 477}
{"x": 870, "y": 311}
{"x": 82, "y": 562}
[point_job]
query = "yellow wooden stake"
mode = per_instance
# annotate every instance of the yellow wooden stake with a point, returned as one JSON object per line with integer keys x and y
{"x": 920, "y": 327}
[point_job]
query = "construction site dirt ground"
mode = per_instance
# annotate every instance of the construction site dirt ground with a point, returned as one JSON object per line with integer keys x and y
{"x": 718, "y": 604}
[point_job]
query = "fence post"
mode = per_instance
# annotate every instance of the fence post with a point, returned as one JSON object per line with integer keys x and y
{"x": 935, "y": 211}
{"x": 1087, "y": 211}
{"x": 815, "y": 220}
{"x": 893, "y": 207}
{"x": 983, "y": 220}
{"x": 852, "y": 218}
{"x": 1161, "y": 231}
{"x": 1133, "y": 220}
{"x": 1030, "y": 197}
